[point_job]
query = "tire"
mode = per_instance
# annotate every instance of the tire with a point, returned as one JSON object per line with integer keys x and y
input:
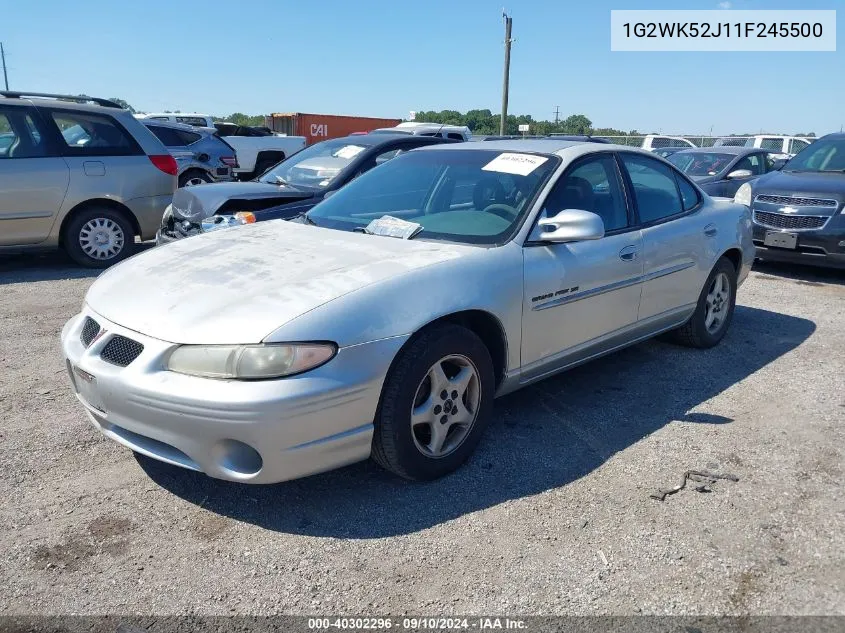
{"x": 193, "y": 177}
{"x": 406, "y": 451}
{"x": 695, "y": 332}
{"x": 81, "y": 232}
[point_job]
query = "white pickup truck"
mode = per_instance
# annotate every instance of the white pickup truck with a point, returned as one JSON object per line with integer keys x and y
{"x": 257, "y": 149}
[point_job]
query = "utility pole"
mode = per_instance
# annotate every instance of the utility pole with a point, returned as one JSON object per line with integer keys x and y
{"x": 3, "y": 56}
{"x": 557, "y": 115}
{"x": 506, "y": 79}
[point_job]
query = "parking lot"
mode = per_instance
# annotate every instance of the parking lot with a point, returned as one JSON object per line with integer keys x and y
{"x": 552, "y": 515}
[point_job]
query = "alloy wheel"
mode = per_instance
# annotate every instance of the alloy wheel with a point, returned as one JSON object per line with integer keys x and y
{"x": 446, "y": 406}
{"x": 717, "y": 303}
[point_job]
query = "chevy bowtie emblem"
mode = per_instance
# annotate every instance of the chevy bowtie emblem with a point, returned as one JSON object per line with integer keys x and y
{"x": 788, "y": 210}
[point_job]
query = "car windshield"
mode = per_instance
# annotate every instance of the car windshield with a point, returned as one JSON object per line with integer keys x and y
{"x": 700, "y": 163}
{"x": 460, "y": 195}
{"x": 315, "y": 167}
{"x": 823, "y": 155}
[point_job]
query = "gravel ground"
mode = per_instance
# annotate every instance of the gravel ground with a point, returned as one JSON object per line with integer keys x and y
{"x": 551, "y": 516}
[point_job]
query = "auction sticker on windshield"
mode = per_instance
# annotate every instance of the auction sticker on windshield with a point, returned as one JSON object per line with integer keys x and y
{"x": 517, "y": 164}
{"x": 348, "y": 151}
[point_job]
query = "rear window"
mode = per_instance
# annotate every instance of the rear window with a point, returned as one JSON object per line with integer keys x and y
{"x": 89, "y": 134}
{"x": 192, "y": 120}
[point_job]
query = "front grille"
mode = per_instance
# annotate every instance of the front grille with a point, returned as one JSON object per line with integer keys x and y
{"x": 90, "y": 329}
{"x": 797, "y": 202}
{"x": 121, "y": 351}
{"x": 793, "y": 222}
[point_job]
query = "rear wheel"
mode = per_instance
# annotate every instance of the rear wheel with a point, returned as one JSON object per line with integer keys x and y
{"x": 435, "y": 404}
{"x": 193, "y": 177}
{"x": 714, "y": 312}
{"x": 98, "y": 237}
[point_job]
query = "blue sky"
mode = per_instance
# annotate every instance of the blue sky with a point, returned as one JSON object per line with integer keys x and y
{"x": 386, "y": 58}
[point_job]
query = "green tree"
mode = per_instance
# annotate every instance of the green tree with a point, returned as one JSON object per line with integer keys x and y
{"x": 123, "y": 104}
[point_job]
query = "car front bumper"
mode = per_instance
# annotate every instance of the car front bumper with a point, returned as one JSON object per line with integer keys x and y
{"x": 823, "y": 247}
{"x": 261, "y": 431}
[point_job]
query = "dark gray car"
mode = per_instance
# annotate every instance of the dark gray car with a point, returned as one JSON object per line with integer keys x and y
{"x": 720, "y": 171}
{"x": 201, "y": 155}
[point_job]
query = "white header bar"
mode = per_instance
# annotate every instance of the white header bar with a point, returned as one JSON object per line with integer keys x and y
{"x": 724, "y": 30}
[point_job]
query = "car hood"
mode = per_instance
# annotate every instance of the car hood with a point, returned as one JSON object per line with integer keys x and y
{"x": 241, "y": 284}
{"x": 809, "y": 184}
{"x": 196, "y": 203}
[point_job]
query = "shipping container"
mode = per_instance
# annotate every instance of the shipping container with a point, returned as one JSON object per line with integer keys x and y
{"x": 319, "y": 127}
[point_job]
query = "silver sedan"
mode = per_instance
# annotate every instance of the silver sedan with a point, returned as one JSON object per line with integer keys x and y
{"x": 385, "y": 321}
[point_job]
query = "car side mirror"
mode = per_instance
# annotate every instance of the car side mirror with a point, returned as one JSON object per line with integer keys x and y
{"x": 571, "y": 225}
{"x": 329, "y": 193}
{"x": 738, "y": 174}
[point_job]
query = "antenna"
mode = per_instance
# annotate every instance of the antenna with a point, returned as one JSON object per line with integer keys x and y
{"x": 3, "y": 57}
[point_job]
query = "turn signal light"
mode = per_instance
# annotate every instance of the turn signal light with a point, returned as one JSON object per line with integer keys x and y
{"x": 245, "y": 217}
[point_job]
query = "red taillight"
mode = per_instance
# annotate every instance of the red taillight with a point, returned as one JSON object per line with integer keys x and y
{"x": 165, "y": 162}
{"x": 231, "y": 161}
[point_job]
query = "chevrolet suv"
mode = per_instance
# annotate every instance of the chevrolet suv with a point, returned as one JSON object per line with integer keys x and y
{"x": 79, "y": 173}
{"x": 799, "y": 211}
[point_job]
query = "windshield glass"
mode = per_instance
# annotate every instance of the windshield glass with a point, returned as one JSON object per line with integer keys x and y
{"x": 824, "y": 155}
{"x": 468, "y": 196}
{"x": 315, "y": 167}
{"x": 700, "y": 163}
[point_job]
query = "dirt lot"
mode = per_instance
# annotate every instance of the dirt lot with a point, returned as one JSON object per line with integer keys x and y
{"x": 551, "y": 516}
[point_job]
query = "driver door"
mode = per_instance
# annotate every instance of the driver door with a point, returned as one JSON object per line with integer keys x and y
{"x": 579, "y": 297}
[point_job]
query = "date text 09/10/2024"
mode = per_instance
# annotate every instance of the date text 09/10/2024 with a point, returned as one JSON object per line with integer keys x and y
{"x": 417, "y": 624}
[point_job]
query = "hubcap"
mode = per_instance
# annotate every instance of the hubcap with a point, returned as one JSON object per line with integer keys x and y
{"x": 194, "y": 181}
{"x": 718, "y": 303}
{"x": 101, "y": 238}
{"x": 445, "y": 406}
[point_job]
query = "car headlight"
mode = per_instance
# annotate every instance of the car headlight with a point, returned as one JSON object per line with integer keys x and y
{"x": 217, "y": 222}
{"x": 249, "y": 362}
{"x": 743, "y": 195}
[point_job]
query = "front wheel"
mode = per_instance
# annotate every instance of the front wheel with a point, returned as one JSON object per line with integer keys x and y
{"x": 435, "y": 404}
{"x": 714, "y": 311}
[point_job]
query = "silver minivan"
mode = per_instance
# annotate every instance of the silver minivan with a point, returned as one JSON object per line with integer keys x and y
{"x": 79, "y": 173}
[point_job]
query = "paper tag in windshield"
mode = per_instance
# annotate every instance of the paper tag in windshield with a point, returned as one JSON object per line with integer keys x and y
{"x": 348, "y": 151}
{"x": 394, "y": 227}
{"x": 518, "y": 164}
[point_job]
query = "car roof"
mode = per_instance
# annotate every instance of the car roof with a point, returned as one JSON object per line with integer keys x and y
{"x": 542, "y": 145}
{"x": 722, "y": 149}
{"x": 176, "y": 114}
{"x": 34, "y": 99}
{"x": 374, "y": 140}
{"x": 837, "y": 136}
{"x": 176, "y": 126}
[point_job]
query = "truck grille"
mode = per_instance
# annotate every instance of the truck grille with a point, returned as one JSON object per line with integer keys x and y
{"x": 797, "y": 202}
{"x": 121, "y": 351}
{"x": 793, "y": 222}
{"x": 90, "y": 329}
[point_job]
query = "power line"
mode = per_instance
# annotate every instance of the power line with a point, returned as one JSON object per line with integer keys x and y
{"x": 506, "y": 79}
{"x": 557, "y": 115}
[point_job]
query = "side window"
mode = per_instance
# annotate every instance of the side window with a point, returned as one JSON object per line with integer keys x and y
{"x": 89, "y": 134}
{"x": 455, "y": 136}
{"x": 774, "y": 144}
{"x": 796, "y": 145}
{"x": 192, "y": 120}
{"x": 753, "y": 163}
{"x": 168, "y": 136}
{"x": 386, "y": 156}
{"x": 654, "y": 188}
{"x": 20, "y": 136}
{"x": 188, "y": 138}
{"x": 593, "y": 185}
{"x": 689, "y": 196}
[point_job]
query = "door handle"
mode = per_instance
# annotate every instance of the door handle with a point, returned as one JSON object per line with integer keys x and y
{"x": 710, "y": 230}
{"x": 629, "y": 253}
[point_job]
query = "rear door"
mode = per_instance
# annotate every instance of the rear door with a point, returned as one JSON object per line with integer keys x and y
{"x": 33, "y": 178}
{"x": 676, "y": 237}
{"x": 103, "y": 157}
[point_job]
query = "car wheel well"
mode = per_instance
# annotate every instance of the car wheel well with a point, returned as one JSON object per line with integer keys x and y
{"x": 99, "y": 202}
{"x": 734, "y": 256}
{"x": 487, "y": 327}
